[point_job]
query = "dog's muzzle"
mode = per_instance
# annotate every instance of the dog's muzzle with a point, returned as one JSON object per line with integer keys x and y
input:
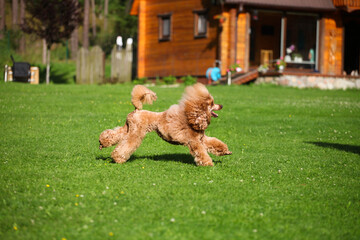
{"x": 217, "y": 108}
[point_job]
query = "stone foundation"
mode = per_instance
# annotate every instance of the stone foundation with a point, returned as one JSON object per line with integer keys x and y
{"x": 321, "y": 82}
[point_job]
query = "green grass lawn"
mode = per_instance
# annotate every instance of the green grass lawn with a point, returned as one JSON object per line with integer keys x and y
{"x": 294, "y": 172}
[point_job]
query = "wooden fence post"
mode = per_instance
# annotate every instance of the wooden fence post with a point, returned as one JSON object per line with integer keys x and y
{"x": 81, "y": 68}
{"x": 90, "y": 66}
{"x": 121, "y": 63}
{"x": 97, "y": 68}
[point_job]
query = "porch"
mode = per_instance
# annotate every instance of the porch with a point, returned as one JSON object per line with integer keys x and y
{"x": 316, "y": 39}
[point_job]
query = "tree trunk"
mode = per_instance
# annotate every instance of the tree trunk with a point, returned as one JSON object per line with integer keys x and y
{"x": 106, "y": 11}
{"x": 93, "y": 18}
{"x": 15, "y": 9}
{"x": 44, "y": 52}
{"x": 86, "y": 25}
{"x": 74, "y": 41}
{"x": 22, "y": 17}
{"x": 48, "y": 66}
{"x": 74, "y": 44}
{"x": 2, "y": 20}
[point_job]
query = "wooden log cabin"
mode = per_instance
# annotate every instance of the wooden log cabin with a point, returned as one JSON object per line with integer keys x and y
{"x": 186, "y": 37}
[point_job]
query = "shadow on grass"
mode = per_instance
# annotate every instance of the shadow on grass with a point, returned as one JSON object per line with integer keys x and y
{"x": 105, "y": 158}
{"x": 176, "y": 157}
{"x": 342, "y": 147}
{"x": 59, "y": 73}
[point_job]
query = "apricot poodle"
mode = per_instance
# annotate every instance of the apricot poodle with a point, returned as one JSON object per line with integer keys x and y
{"x": 181, "y": 124}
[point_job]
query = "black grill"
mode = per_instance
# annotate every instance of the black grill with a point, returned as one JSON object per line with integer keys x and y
{"x": 21, "y": 71}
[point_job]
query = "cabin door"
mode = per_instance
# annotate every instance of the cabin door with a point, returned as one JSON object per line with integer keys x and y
{"x": 265, "y": 37}
{"x": 352, "y": 47}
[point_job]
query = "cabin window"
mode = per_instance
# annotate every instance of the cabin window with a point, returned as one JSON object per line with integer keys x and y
{"x": 164, "y": 27}
{"x": 301, "y": 37}
{"x": 200, "y": 23}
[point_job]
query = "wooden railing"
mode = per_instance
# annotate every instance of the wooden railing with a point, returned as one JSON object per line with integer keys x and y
{"x": 347, "y": 3}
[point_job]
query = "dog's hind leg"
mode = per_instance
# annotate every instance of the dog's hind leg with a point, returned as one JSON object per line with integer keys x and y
{"x": 200, "y": 154}
{"x": 215, "y": 146}
{"x": 128, "y": 145}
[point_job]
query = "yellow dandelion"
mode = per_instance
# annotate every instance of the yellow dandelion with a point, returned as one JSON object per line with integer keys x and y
{"x": 76, "y": 204}
{"x": 63, "y": 238}
{"x": 47, "y": 185}
{"x": 111, "y": 234}
{"x": 122, "y": 192}
{"x": 77, "y": 195}
{"x": 15, "y": 228}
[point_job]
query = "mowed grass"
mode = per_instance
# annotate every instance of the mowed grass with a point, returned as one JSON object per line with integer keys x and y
{"x": 294, "y": 172}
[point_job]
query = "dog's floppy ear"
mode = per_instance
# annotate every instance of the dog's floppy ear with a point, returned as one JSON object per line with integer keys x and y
{"x": 197, "y": 115}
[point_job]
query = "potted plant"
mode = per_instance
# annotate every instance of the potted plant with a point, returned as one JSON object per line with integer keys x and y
{"x": 289, "y": 50}
{"x": 235, "y": 68}
{"x": 280, "y": 65}
{"x": 297, "y": 57}
{"x": 263, "y": 68}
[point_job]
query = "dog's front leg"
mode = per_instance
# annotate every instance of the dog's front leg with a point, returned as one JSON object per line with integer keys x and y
{"x": 110, "y": 137}
{"x": 215, "y": 146}
{"x": 200, "y": 154}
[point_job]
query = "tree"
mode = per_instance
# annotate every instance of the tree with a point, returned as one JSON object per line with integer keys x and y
{"x": 52, "y": 20}
{"x": 93, "y": 18}
{"x": 2, "y": 20}
{"x": 74, "y": 44}
{"x": 106, "y": 12}
{"x": 22, "y": 17}
{"x": 86, "y": 24}
{"x": 15, "y": 9}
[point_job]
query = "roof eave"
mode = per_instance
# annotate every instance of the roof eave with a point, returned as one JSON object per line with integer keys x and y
{"x": 133, "y": 7}
{"x": 280, "y": 7}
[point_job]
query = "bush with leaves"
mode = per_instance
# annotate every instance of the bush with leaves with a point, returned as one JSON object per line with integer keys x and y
{"x": 189, "y": 80}
{"x": 169, "y": 80}
{"x": 140, "y": 80}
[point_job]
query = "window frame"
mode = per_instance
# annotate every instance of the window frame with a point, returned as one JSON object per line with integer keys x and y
{"x": 197, "y": 14}
{"x": 161, "y": 18}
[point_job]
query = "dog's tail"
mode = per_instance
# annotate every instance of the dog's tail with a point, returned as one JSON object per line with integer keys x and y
{"x": 140, "y": 95}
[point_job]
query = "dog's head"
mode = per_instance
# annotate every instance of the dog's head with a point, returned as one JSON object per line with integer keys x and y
{"x": 199, "y": 106}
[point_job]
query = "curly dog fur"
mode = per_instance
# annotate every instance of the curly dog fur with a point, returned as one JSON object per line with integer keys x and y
{"x": 182, "y": 124}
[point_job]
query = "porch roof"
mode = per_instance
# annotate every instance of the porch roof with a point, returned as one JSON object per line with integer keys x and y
{"x": 312, "y": 5}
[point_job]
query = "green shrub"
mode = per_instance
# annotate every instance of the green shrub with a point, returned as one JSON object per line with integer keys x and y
{"x": 140, "y": 80}
{"x": 158, "y": 81}
{"x": 169, "y": 80}
{"x": 189, "y": 80}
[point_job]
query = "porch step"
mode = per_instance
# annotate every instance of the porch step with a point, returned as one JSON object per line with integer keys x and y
{"x": 246, "y": 77}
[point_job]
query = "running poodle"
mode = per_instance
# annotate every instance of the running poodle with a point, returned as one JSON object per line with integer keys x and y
{"x": 181, "y": 124}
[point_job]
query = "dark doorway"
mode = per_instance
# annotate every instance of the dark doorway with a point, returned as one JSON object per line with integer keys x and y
{"x": 352, "y": 45}
{"x": 264, "y": 37}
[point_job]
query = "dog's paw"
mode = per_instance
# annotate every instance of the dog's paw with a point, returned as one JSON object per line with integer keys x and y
{"x": 227, "y": 153}
{"x": 205, "y": 163}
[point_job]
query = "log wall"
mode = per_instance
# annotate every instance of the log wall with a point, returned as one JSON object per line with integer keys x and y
{"x": 331, "y": 50}
{"x": 183, "y": 54}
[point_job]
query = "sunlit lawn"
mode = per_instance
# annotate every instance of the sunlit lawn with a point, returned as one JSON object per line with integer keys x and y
{"x": 294, "y": 172}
